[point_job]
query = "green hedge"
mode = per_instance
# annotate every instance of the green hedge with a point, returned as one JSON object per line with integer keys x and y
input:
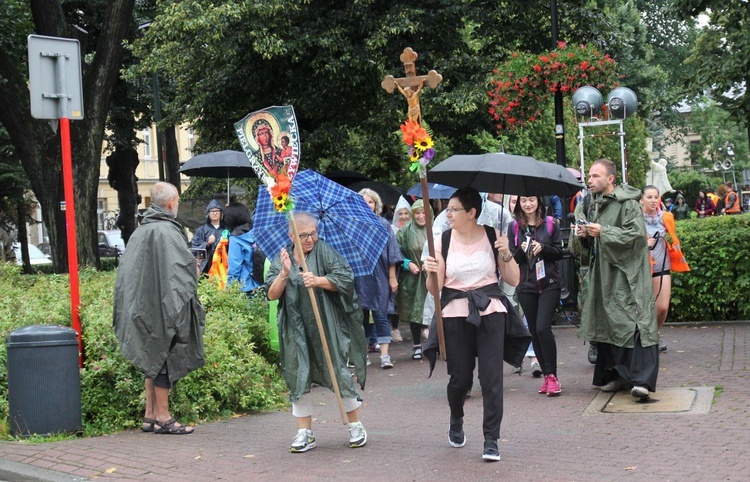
{"x": 717, "y": 286}
{"x": 241, "y": 373}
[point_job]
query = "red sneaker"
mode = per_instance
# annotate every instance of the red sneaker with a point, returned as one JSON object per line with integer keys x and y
{"x": 545, "y": 385}
{"x": 553, "y": 386}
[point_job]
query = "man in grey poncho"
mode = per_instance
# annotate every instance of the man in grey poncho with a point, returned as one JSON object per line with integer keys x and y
{"x": 302, "y": 357}
{"x": 157, "y": 316}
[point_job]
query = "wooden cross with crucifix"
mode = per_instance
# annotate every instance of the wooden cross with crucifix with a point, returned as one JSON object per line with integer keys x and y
{"x": 411, "y": 85}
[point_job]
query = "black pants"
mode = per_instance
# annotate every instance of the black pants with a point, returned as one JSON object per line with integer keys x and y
{"x": 464, "y": 343}
{"x": 416, "y": 332}
{"x": 539, "y": 309}
{"x": 638, "y": 365}
{"x": 393, "y": 318}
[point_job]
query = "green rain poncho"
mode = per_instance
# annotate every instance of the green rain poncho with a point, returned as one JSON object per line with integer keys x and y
{"x": 157, "y": 315}
{"x": 302, "y": 358}
{"x": 617, "y": 294}
{"x": 412, "y": 290}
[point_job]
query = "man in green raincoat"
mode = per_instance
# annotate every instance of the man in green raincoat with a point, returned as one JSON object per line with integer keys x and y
{"x": 618, "y": 300}
{"x": 302, "y": 357}
{"x": 157, "y": 316}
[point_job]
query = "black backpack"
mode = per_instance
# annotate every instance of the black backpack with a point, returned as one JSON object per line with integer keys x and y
{"x": 259, "y": 264}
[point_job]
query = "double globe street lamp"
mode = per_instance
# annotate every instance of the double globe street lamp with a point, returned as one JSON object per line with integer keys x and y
{"x": 588, "y": 102}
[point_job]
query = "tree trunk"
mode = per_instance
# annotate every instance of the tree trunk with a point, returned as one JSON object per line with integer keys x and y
{"x": 122, "y": 164}
{"x": 39, "y": 150}
{"x": 172, "y": 158}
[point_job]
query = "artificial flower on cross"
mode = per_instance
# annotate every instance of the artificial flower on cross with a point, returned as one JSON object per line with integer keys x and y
{"x": 420, "y": 144}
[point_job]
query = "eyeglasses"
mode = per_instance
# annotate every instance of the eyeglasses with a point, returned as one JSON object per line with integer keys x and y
{"x": 454, "y": 210}
{"x": 215, "y": 211}
{"x": 306, "y": 236}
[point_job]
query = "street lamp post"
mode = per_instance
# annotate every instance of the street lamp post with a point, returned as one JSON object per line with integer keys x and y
{"x": 157, "y": 119}
{"x": 559, "y": 120}
{"x": 160, "y": 154}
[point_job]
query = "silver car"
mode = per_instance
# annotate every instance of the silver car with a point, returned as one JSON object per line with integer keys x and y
{"x": 35, "y": 255}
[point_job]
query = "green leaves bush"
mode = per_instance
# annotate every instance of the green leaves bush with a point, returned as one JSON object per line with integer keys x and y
{"x": 241, "y": 373}
{"x": 717, "y": 286}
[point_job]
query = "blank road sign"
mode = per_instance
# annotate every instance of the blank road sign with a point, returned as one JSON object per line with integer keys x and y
{"x": 52, "y": 87}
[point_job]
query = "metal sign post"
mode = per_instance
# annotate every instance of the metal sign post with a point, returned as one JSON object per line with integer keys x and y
{"x": 56, "y": 94}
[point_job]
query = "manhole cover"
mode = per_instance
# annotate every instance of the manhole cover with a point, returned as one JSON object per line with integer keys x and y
{"x": 689, "y": 400}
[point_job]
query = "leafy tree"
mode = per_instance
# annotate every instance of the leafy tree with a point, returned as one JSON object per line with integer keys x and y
{"x": 718, "y": 62}
{"x": 717, "y": 130}
{"x": 690, "y": 182}
{"x": 100, "y": 26}
{"x": 327, "y": 59}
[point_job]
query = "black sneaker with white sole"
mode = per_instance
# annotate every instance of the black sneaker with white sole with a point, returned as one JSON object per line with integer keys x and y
{"x": 456, "y": 435}
{"x": 491, "y": 452}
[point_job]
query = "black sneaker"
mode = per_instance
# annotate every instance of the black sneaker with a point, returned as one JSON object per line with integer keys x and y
{"x": 456, "y": 432}
{"x": 491, "y": 452}
{"x": 593, "y": 353}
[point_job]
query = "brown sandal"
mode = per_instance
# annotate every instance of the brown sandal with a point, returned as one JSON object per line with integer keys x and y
{"x": 148, "y": 424}
{"x": 170, "y": 428}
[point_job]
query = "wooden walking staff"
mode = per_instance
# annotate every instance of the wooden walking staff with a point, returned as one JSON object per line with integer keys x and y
{"x": 410, "y": 87}
{"x": 319, "y": 322}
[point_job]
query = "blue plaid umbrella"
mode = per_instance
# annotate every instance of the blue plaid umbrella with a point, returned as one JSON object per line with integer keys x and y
{"x": 346, "y": 222}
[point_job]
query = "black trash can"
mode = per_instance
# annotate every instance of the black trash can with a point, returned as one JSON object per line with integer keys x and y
{"x": 44, "y": 385}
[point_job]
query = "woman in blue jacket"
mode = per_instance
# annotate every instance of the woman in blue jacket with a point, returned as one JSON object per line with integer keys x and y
{"x": 241, "y": 248}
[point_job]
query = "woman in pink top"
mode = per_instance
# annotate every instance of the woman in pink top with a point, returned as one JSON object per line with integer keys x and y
{"x": 473, "y": 314}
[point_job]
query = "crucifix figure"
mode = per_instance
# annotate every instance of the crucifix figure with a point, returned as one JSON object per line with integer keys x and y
{"x": 412, "y": 84}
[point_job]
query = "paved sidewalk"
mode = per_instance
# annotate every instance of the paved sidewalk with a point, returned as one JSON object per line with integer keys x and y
{"x": 406, "y": 416}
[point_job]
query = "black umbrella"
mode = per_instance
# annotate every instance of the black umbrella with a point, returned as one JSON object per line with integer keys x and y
{"x": 345, "y": 178}
{"x": 505, "y": 173}
{"x": 388, "y": 193}
{"x": 219, "y": 165}
{"x": 564, "y": 175}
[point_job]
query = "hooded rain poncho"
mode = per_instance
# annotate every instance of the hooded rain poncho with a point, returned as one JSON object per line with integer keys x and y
{"x": 617, "y": 294}
{"x": 157, "y": 315}
{"x": 301, "y": 350}
{"x": 412, "y": 289}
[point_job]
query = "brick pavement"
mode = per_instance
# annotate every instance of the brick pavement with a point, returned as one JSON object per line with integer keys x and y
{"x": 406, "y": 416}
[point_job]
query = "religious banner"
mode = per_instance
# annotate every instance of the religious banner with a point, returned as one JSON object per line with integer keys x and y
{"x": 270, "y": 139}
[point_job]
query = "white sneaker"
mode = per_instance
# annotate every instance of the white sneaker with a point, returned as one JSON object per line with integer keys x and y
{"x": 639, "y": 392}
{"x": 304, "y": 441}
{"x": 385, "y": 362}
{"x": 357, "y": 435}
{"x": 396, "y": 336}
{"x": 616, "y": 385}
